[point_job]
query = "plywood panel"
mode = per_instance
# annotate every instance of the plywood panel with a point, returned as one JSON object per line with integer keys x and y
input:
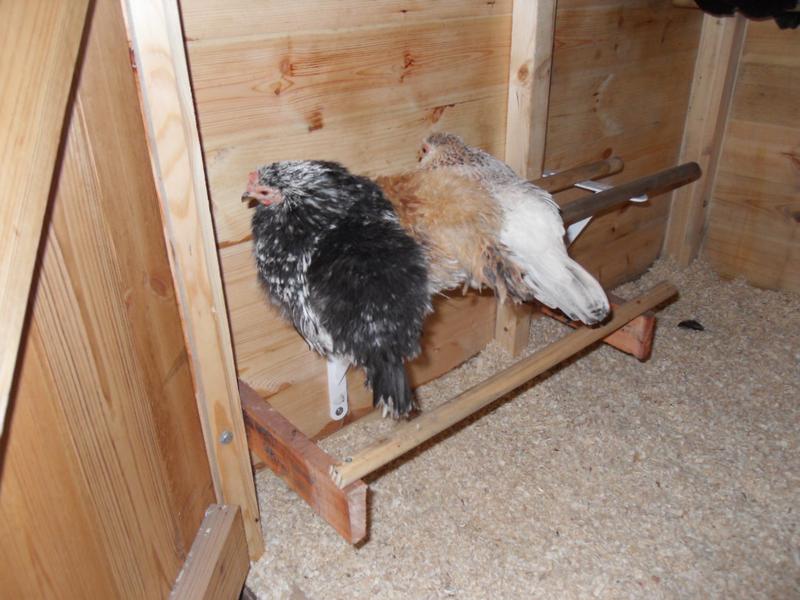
{"x": 754, "y": 222}
{"x": 620, "y": 85}
{"x": 105, "y": 477}
{"x": 363, "y": 89}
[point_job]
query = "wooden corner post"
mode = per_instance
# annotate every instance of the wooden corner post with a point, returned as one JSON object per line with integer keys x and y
{"x": 156, "y": 39}
{"x": 533, "y": 23}
{"x": 716, "y": 67}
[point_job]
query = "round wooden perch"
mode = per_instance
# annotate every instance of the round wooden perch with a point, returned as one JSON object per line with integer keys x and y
{"x": 566, "y": 179}
{"x": 412, "y": 433}
{"x": 652, "y": 185}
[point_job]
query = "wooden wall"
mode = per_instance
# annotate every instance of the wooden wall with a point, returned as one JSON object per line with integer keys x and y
{"x": 754, "y": 222}
{"x": 358, "y": 82}
{"x": 622, "y": 71}
{"x": 104, "y": 473}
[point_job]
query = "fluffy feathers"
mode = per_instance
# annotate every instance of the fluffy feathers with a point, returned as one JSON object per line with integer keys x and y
{"x": 522, "y": 249}
{"x": 332, "y": 255}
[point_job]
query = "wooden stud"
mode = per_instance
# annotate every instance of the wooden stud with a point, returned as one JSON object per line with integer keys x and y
{"x": 411, "y": 434}
{"x": 530, "y": 64}
{"x": 217, "y": 564}
{"x": 304, "y": 467}
{"x": 634, "y": 338}
{"x": 721, "y": 42}
{"x": 39, "y": 43}
{"x": 157, "y": 43}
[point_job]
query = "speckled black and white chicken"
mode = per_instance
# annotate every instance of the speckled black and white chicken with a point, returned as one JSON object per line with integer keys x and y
{"x": 530, "y": 254}
{"x": 332, "y": 255}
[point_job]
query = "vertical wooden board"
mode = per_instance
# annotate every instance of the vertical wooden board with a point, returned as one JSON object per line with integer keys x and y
{"x": 530, "y": 66}
{"x": 754, "y": 220}
{"x": 154, "y": 28}
{"x": 217, "y": 564}
{"x": 79, "y": 313}
{"x": 610, "y": 57}
{"x": 126, "y": 205}
{"x": 715, "y": 71}
{"x": 39, "y": 42}
{"x": 51, "y": 547}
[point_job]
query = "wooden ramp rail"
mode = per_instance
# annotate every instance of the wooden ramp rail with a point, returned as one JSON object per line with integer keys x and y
{"x": 413, "y": 433}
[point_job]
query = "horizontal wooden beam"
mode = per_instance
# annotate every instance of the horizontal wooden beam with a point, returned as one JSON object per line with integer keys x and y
{"x": 412, "y": 433}
{"x": 634, "y": 338}
{"x": 652, "y": 185}
{"x": 566, "y": 179}
{"x": 217, "y": 564}
{"x": 304, "y": 467}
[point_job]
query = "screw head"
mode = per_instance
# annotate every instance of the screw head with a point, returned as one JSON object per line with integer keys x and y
{"x": 226, "y": 437}
{"x": 339, "y": 411}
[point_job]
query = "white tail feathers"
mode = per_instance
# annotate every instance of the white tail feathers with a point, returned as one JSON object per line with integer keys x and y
{"x": 533, "y": 235}
{"x": 565, "y": 285}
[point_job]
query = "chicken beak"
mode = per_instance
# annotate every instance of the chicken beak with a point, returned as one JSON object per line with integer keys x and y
{"x": 256, "y": 193}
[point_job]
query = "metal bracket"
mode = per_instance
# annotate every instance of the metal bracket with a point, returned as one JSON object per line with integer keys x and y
{"x": 337, "y": 387}
{"x": 575, "y": 229}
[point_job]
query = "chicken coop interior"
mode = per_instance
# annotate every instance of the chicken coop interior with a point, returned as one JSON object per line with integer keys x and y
{"x": 168, "y": 431}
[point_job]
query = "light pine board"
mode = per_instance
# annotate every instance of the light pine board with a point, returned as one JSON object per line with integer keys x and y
{"x": 721, "y": 41}
{"x": 154, "y": 27}
{"x": 105, "y": 478}
{"x": 217, "y": 564}
{"x": 754, "y": 221}
{"x": 363, "y": 89}
{"x": 39, "y": 42}
{"x": 620, "y": 85}
{"x": 530, "y": 65}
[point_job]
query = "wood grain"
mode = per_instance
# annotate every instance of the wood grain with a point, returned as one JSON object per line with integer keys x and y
{"x": 39, "y": 42}
{"x": 530, "y": 65}
{"x": 105, "y": 478}
{"x": 167, "y": 106}
{"x": 754, "y": 220}
{"x": 208, "y": 19}
{"x": 363, "y": 87}
{"x": 721, "y": 41}
{"x": 217, "y": 564}
{"x": 608, "y": 55}
{"x": 304, "y": 467}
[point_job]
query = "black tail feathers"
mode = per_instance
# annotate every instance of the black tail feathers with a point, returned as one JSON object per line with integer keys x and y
{"x": 391, "y": 390}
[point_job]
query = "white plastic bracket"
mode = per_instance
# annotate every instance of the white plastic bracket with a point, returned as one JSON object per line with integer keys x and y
{"x": 337, "y": 387}
{"x": 575, "y": 229}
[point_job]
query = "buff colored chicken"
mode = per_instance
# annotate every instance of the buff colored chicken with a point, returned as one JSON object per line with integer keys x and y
{"x": 484, "y": 225}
